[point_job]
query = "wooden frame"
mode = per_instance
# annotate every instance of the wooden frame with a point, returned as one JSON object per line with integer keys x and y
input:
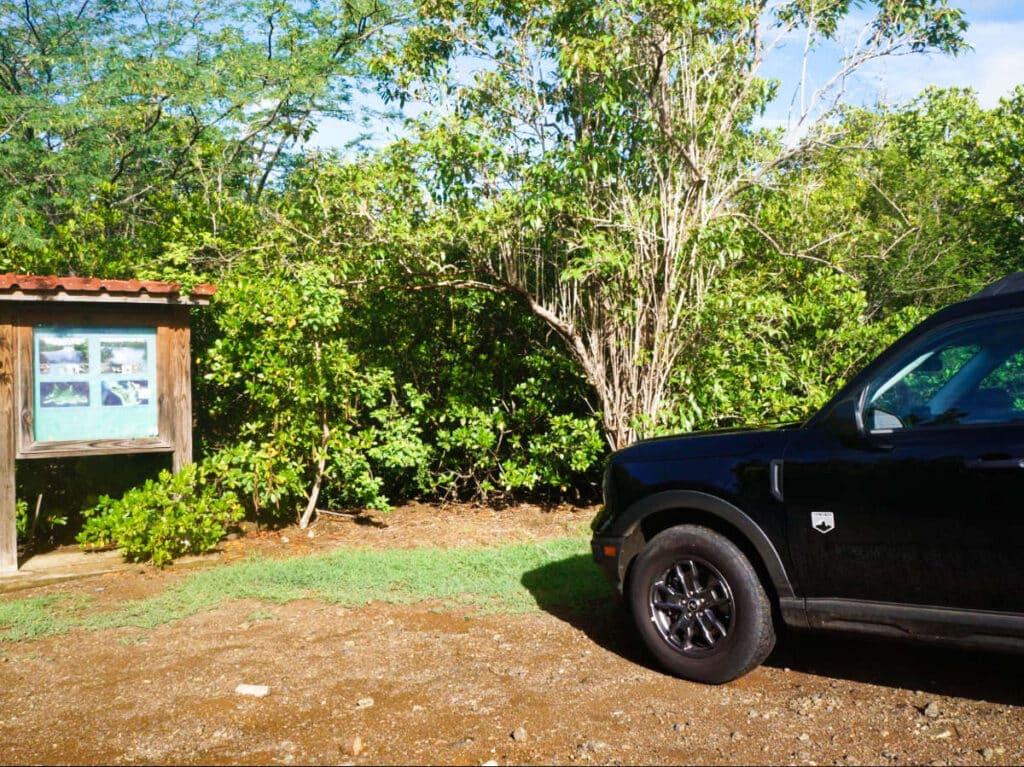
{"x": 17, "y": 434}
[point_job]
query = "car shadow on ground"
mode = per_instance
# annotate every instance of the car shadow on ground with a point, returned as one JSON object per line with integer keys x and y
{"x": 973, "y": 674}
{"x": 574, "y": 591}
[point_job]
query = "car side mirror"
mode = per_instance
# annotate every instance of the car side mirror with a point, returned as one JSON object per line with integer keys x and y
{"x": 847, "y": 418}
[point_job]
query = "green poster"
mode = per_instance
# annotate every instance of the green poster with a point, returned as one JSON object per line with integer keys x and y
{"x": 94, "y": 383}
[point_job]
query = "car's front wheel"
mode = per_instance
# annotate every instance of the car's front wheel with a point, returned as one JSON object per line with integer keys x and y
{"x": 700, "y": 606}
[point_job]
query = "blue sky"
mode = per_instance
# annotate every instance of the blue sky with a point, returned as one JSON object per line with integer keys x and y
{"x": 993, "y": 67}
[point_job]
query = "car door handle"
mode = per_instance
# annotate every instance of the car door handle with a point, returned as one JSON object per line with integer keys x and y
{"x": 995, "y": 463}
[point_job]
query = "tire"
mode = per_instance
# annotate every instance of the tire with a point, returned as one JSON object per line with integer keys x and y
{"x": 699, "y": 605}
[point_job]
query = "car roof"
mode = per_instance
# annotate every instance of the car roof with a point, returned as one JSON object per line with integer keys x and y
{"x": 1007, "y": 293}
{"x": 1011, "y": 283}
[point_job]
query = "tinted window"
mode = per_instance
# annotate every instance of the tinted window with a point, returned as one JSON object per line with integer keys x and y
{"x": 972, "y": 373}
{"x": 1008, "y": 377}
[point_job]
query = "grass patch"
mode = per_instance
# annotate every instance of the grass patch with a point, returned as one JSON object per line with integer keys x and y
{"x": 515, "y": 578}
{"x": 38, "y": 617}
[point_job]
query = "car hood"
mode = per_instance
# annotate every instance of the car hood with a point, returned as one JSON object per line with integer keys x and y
{"x": 718, "y": 443}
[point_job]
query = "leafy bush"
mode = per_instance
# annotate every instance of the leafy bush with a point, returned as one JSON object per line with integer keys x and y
{"x": 775, "y": 350}
{"x": 21, "y": 518}
{"x": 307, "y": 420}
{"x": 175, "y": 514}
{"x": 30, "y": 529}
{"x": 501, "y": 410}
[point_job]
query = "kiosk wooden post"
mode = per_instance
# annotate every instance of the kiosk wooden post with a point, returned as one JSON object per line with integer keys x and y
{"x": 91, "y": 367}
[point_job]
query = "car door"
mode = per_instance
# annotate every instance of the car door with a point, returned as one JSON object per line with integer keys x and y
{"x": 926, "y": 505}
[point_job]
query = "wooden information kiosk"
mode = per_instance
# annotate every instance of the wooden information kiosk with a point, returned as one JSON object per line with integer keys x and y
{"x": 91, "y": 367}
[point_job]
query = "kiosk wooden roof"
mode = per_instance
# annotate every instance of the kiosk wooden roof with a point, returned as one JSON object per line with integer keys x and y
{"x": 27, "y": 287}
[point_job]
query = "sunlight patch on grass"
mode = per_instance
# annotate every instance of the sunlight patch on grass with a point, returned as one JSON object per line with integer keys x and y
{"x": 515, "y": 578}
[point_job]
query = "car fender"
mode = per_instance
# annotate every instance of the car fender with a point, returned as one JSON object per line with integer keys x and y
{"x": 628, "y": 526}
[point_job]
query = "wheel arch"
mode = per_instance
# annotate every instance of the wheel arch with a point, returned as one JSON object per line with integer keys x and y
{"x": 655, "y": 513}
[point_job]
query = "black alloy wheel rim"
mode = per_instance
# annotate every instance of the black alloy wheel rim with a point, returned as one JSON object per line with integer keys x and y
{"x": 692, "y": 607}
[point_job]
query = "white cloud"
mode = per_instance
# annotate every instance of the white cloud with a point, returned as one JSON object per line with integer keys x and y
{"x": 993, "y": 68}
{"x": 1000, "y": 73}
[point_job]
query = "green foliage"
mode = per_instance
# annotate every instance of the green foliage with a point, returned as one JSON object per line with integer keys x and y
{"x": 111, "y": 114}
{"x": 281, "y": 368}
{"x": 283, "y": 380}
{"x": 600, "y": 159}
{"x": 924, "y": 214}
{"x": 175, "y": 514}
{"x": 29, "y": 528}
{"x": 761, "y": 356}
{"x": 62, "y": 487}
{"x": 424, "y": 391}
{"x": 505, "y": 410}
{"x": 22, "y": 522}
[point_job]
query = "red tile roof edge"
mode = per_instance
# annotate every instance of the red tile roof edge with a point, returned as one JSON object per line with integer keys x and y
{"x": 30, "y": 283}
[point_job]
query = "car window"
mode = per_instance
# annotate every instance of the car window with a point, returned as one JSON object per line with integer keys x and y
{"x": 970, "y": 374}
{"x": 1009, "y": 378}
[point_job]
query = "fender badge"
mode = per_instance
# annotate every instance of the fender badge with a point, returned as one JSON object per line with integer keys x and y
{"x": 823, "y": 521}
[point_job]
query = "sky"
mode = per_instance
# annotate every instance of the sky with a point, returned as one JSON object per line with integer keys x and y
{"x": 993, "y": 66}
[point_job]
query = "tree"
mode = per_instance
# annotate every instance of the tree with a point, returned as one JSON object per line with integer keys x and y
{"x": 597, "y": 162}
{"x": 925, "y": 212}
{"x": 110, "y": 107}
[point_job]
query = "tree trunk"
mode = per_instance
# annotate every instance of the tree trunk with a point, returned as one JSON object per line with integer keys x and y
{"x": 314, "y": 493}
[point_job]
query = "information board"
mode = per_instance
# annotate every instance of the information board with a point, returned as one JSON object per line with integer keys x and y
{"x": 93, "y": 383}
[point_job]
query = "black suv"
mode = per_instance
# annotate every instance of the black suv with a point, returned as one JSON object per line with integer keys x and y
{"x": 896, "y": 511}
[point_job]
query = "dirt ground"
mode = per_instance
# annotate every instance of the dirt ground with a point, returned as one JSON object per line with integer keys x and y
{"x": 430, "y": 683}
{"x": 420, "y": 524}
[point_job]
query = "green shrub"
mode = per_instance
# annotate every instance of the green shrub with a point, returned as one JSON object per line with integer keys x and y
{"x": 306, "y": 419}
{"x": 21, "y": 519}
{"x": 29, "y": 529}
{"x": 774, "y": 349}
{"x": 499, "y": 408}
{"x": 175, "y": 514}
